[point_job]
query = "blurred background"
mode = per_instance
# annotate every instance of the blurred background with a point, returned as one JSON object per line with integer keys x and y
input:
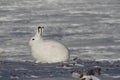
{"x": 89, "y": 28}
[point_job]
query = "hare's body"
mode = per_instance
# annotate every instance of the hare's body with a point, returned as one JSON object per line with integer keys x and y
{"x": 48, "y": 51}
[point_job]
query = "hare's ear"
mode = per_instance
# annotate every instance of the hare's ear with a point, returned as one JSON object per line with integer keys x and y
{"x": 39, "y": 31}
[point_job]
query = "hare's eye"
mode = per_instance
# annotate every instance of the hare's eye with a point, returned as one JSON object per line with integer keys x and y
{"x": 33, "y": 39}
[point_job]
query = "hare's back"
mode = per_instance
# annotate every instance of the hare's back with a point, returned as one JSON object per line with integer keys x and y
{"x": 52, "y": 43}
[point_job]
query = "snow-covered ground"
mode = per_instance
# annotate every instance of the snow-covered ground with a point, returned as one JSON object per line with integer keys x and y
{"x": 89, "y": 28}
{"x": 10, "y": 70}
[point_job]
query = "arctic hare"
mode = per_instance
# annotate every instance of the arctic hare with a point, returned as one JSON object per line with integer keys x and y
{"x": 47, "y": 51}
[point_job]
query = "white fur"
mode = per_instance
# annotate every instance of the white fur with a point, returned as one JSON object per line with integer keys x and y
{"x": 47, "y": 51}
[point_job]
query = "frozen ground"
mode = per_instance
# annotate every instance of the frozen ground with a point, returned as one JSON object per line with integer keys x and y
{"x": 89, "y": 28}
{"x": 31, "y": 71}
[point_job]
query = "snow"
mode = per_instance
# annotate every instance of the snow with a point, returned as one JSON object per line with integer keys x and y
{"x": 87, "y": 28}
{"x": 90, "y": 29}
{"x": 75, "y": 75}
{"x": 90, "y": 77}
{"x": 58, "y": 78}
{"x": 117, "y": 76}
{"x": 32, "y": 71}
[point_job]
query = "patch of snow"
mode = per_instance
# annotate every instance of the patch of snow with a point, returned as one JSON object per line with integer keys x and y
{"x": 90, "y": 77}
{"x": 108, "y": 60}
{"x": 14, "y": 77}
{"x": 20, "y": 68}
{"x": 33, "y": 76}
{"x": 75, "y": 75}
{"x": 117, "y": 76}
{"x": 80, "y": 65}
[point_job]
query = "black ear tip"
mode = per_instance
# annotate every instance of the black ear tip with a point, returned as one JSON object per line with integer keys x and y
{"x": 39, "y": 27}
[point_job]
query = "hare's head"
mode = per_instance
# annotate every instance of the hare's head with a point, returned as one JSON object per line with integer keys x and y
{"x": 37, "y": 37}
